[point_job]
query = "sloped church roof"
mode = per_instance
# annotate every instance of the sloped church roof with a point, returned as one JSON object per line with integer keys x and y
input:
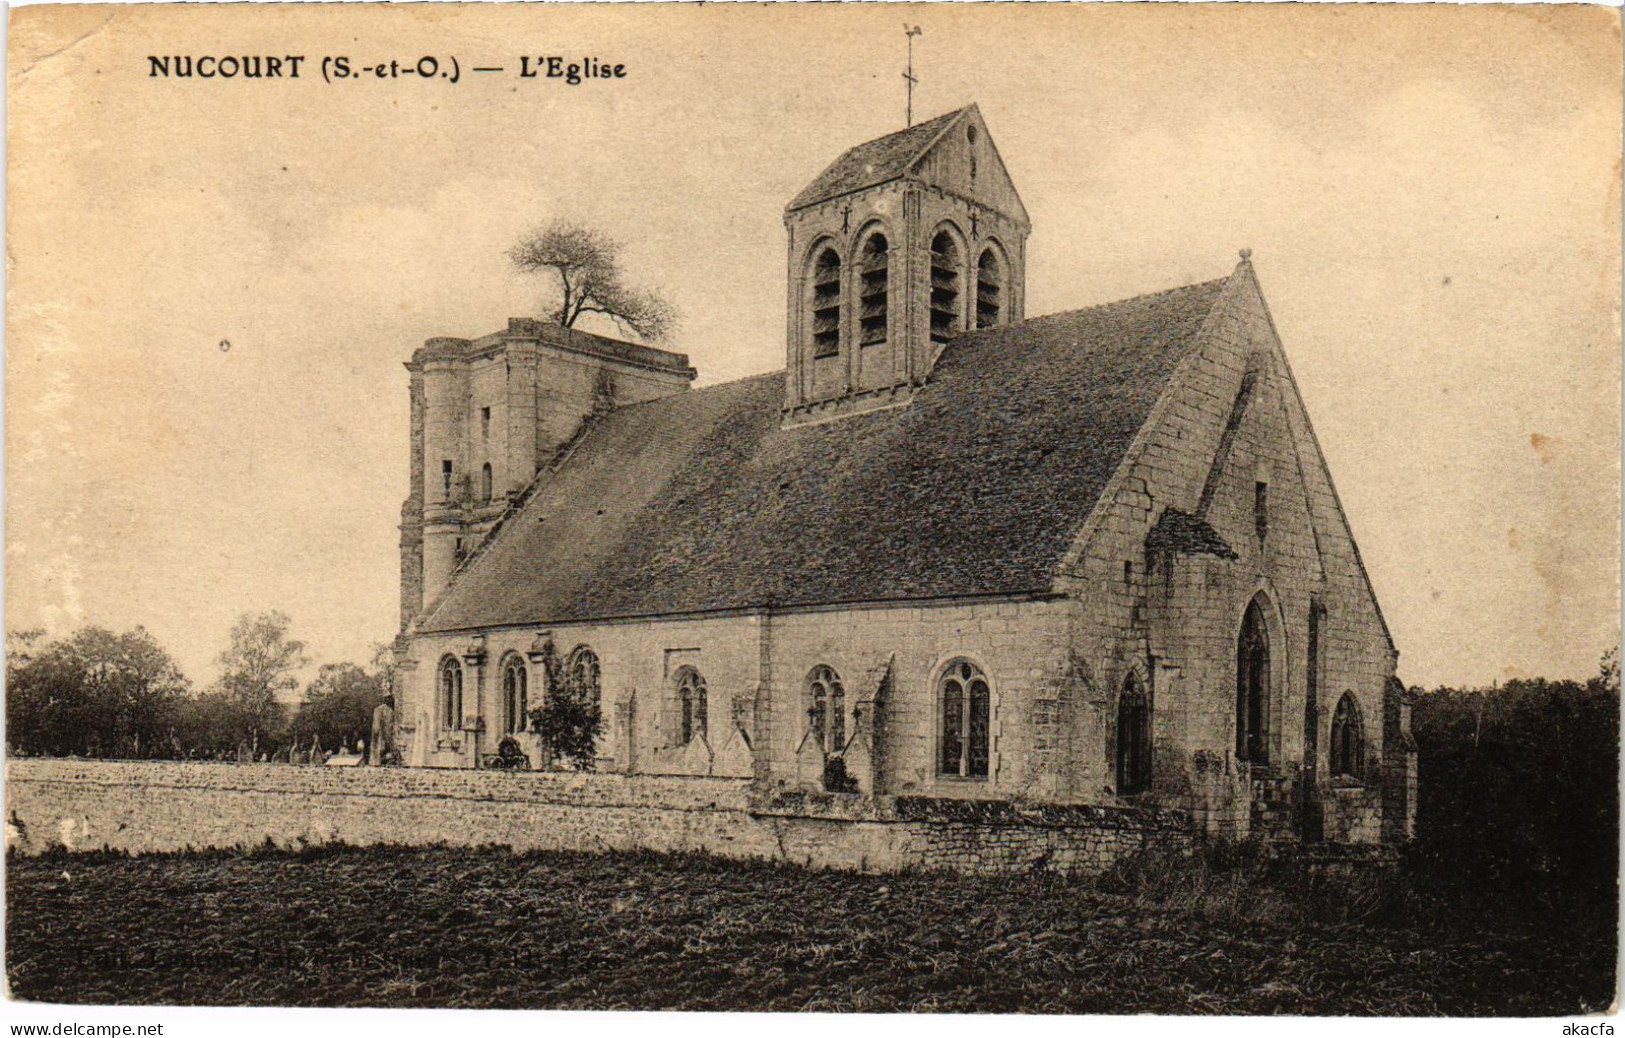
{"x": 875, "y": 162}
{"x": 702, "y": 501}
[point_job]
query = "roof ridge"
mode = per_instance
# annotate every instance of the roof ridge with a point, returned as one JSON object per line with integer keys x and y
{"x": 947, "y": 119}
{"x": 827, "y": 185}
{"x": 1136, "y": 298}
{"x": 1055, "y": 314}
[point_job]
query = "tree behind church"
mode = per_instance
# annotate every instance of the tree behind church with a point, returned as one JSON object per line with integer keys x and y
{"x": 583, "y": 268}
{"x": 338, "y": 706}
{"x": 258, "y": 666}
{"x": 94, "y": 693}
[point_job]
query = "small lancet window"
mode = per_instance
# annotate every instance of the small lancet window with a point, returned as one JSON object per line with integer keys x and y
{"x": 1253, "y": 687}
{"x": 485, "y": 482}
{"x": 826, "y": 711}
{"x": 515, "y": 695}
{"x": 1348, "y": 739}
{"x": 945, "y": 319}
{"x": 691, "y": 702}
{"x": 1261, "y": 509}
{"x": 1133, "y": 739}
{"x": 826, "y": 304}
{"x": 451, "y": 694}
{"x": 874, "y": 271}
{"x": 445, "y": 475}
{"x": 989, "y": 290}
{"x": 966, "y": 707}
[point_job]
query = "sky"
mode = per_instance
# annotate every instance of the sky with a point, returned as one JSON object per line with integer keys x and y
{"x": 1431, "y": 195}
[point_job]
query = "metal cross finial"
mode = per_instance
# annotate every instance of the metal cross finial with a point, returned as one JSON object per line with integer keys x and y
{"x": 910, "y": 31}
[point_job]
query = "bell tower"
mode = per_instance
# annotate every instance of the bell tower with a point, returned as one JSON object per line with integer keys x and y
{"x": 901, "y": 244}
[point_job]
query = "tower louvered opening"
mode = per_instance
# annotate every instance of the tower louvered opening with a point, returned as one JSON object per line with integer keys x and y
{"x": 826, "y": 305}
{"x": 989, "y": 290}
{"x": 875, "y": 277}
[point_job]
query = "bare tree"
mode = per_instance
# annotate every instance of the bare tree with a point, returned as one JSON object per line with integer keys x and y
{"x": 586, "y": 265}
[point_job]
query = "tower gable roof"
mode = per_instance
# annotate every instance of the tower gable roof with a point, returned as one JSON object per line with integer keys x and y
{"x": 702, "y": 501}
{"x": 875, "y": 162}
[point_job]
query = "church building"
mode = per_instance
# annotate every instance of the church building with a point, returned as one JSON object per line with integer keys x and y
{"x": 949, "y": 552}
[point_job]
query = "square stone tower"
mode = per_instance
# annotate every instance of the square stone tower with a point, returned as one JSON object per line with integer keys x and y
{"x": 489, "y": 414}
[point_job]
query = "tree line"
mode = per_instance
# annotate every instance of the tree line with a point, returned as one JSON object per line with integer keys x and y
{"x": 97, "y": 693}
{"x": 1518, "y": 791}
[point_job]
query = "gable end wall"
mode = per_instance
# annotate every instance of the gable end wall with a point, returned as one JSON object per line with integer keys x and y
{"x": 1177, "y": 617}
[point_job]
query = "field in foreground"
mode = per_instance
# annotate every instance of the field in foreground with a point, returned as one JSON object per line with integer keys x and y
{"x": 488, "y": 928}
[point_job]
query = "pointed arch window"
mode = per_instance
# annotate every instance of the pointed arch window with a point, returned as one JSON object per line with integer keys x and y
{"x": 582, "y": 675}
{"x": 945, "y": 269}
{"x": 874, "y": 275}
{"x": 826, "y": 304}
{"x": 451, "y": 694}
{"x": 826, "y": 708}
{"x": 1348, "y": 739}
{"x": 515, "y": 695}
{"x": 1252, "y": 687}
{"x": 966, "y": 701}
{"x": 989, "y": 289}
{"x": 1133, "y": 738}
{"x": 485, "y": 482}
{"x": 691, "y": 693}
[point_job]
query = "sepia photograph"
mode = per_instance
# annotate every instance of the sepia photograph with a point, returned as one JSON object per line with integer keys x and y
{"x": 1075, "y": 509}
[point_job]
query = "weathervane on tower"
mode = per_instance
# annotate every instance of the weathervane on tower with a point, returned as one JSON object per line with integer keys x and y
{"x": 910, "y": 31}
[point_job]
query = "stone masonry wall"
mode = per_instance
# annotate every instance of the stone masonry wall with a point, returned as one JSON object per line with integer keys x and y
{"x": 756, "y": 669}
{"x": 167, "y": 806}
{"x": 1179, "y": 622}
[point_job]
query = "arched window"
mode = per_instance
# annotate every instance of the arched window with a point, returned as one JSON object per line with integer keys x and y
{"x": 1133, "y": 739}
{"x": 945, "y": 320}
{"x": 989, "y": 289}
{"x": 875, "y": 273}
{"x": 515, "y": 695}
{"x": 826, "y": 304}
{"x": 691, "y": 701}
{"x": 582, "y": 675}
{"x": 1348, "y": 739}
{"x": 966, "y": 705}
{"x": 451, "y": 694}
{"x": 1253, "y": 687}
{"x": 485, "y": 482}
{"x": 826, "y": 709}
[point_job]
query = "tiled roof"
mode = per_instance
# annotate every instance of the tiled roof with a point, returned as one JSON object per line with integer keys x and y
{"x": 701, "y": 501}
{"x": 1185, "y": 534}
{"x": 874, "y": 162}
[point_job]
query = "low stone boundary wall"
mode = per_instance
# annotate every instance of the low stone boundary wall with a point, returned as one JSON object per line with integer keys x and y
{"x": 150, "y": 806}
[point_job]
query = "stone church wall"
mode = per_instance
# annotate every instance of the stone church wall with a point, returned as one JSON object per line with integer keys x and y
{"x": 756, "y": 668}
{"x": 144, "y": 807}
{"x": 1177, "y": 616}
{"x": 1016, "y": 644}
